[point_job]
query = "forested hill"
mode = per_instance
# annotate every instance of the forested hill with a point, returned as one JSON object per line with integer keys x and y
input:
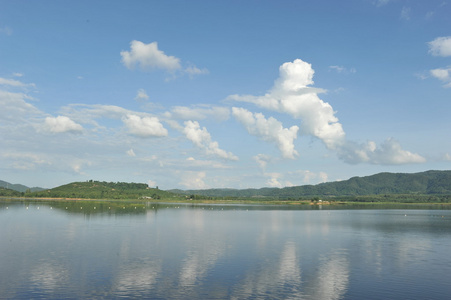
{"x": 425, "y": 183}
{"x": 104, "y": 190}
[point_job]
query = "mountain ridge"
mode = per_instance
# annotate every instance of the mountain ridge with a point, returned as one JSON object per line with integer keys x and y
{"x": 432, "y": 182}
{"x": 19, "y": 187}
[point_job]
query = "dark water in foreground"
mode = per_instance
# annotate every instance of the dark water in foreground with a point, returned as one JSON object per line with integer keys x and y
{"x": 221, "y": 252}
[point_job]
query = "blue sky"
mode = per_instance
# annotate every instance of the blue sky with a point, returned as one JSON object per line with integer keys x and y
{"x": 209, "y": 94}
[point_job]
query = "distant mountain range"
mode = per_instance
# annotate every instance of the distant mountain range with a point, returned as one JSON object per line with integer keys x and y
{"x": 19, "y": 187}
{"x": 432, "y": 183}
{"x": 425, "y": 183}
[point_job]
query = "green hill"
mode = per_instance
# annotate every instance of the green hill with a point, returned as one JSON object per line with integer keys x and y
{"x": 105, "y": 190}
{"x": 9, "y": 193}
{"x": 19, "y": 187}
{"x": 424, "y": 183}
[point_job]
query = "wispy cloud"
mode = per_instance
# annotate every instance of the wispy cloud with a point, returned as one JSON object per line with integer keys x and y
{"x": 130, "y": 152}
{"x": 269, "y": 130}
{"x": 198, "y": 112}
{"x": 389, "y": 152}
{"x": 201, "y": 138}
{"x": 341, "y": 69}
{"x": 405, "y": 13}
{"x": 381, "y": 2}
{"x": 192, "y": 70}
{"x": 15, "y": 83}
{"x": 141, "y": 95}
{"x": 193, "y": 180}
{"x": 6, "y": 30}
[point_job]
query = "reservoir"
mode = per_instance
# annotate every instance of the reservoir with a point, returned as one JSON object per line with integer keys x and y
{"x": 113, "y": 250}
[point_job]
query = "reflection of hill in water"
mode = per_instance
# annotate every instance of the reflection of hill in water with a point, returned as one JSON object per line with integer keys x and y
{"x": 89, "y": 207}
{"x": 81, "y": 207}
{"x": 123, "y": 207}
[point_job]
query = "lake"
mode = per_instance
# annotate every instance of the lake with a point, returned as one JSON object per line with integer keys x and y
{"x": 111, "y": 250}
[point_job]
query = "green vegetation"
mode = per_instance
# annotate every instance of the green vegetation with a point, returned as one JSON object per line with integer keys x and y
{"x": 430, "y": 187}
{"x": 425, "y": 187}
{"x": 9, "y": 193}
{"x": 104, "y": 190}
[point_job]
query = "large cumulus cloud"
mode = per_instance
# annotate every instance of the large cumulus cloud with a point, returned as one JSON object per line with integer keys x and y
{"x": 293, "y": 94}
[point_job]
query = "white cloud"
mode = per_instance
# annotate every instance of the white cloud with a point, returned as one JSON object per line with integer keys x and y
{"x": 341, "y": 69}
{"x": 389, "y": 153}
{"x": 151, "y": 183}
{"x": 148, "y": 56}
{"x": 194, "y": 180}
{"x": 25, "y": 160}
{"x": 291, "y": 94}
{"x": 131, "y": 153}
{"x": 443, "y": 75}
{"x": 199, "y": 113}
{"x": 273, "y": 180}
{"x": 323, "y": 176}
{"x": 78, "y": 164}
{"x": 14, "y": 107}
{"x": 86, "y": 113}
{"x": 202, "y": 139}
{"x": 14, "y": 83}
{"x": 145, "y": 126}
{"x": 441, "y": 46}
{"x": 262, "y": 160}
{"x": 61, "y": 124}
{"x": 141, "y": 95}
{"x": 295, "y": 178}
{"x": 306, "y": 177}
{"x": 191, "y": 163}
{"x": 269, "y": 130}
{"x": 193, "y": 70}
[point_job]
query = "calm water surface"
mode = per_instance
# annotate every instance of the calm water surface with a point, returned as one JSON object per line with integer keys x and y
{"x": 78, "y": 250}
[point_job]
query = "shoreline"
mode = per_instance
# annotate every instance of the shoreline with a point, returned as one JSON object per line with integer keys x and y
{"x": 225, "y": 201}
